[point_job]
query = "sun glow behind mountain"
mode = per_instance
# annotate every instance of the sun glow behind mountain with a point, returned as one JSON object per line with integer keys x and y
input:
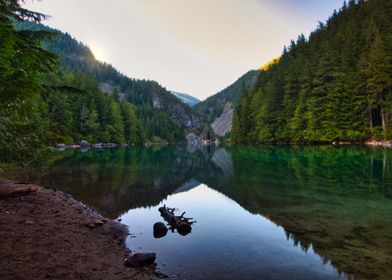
{"x": 197, "y": 47}
{"x": 98, "y": 52}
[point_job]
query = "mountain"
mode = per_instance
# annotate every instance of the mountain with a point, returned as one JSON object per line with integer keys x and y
{"x": 186, "y": 98}
{"x": 218, "y": 109}
{"x": 153, "y": 102}
{"x": 335, "y": 85}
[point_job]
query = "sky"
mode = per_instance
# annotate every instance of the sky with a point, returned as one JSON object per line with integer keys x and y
{"x": 198, "y": 47}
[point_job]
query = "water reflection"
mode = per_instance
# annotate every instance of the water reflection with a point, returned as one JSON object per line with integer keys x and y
{"x": 333, "y": 201}
{"x": 227, "y": 242}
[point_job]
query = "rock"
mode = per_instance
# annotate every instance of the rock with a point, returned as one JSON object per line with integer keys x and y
{"x": 90, "y": 226}
{"x": 160, "y": 230}
{"x": 61, "y": 146}
{"x": 192, "y": 138}
{"x": 140, "y": 259}
{"x": 84, "y": 143}
{"x": 104, "y": 145}
{"x": 222, "y": 125}
{"x": 98, "y": 222}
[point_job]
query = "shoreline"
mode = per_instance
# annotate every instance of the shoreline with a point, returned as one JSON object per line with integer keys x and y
{"x": 370, "y": 143}
{"x": 46, "y": 234}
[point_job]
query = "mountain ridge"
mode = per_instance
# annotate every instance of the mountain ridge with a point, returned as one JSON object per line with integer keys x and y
{"x": 186, "y": 98}
{"x": 218, "y": 108}
{"x": 148, "y": 96}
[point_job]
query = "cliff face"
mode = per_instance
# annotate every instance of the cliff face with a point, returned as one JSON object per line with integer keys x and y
{"x": 218, "y": 109}
{"x": 222, "y": 125}
{"x": 184, "y": 117}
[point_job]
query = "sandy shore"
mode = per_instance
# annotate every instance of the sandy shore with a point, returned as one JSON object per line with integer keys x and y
{"x": 46, "y": 234}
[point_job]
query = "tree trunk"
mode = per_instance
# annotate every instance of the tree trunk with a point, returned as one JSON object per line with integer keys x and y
{"x": 383, "y": 120}
{"x": 370, "y": 115}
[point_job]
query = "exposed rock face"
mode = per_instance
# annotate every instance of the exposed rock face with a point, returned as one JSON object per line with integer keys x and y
{"x": 222, "y": 125}
{"x": 214, "y": 105}
{"x": 156, "y": 102}
{"x": 193, "y": 139}
{"x": 184, "y": 118}
{"x": 110, "y": 89}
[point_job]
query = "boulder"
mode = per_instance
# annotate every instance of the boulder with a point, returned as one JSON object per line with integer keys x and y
{"x": 160, "y": 230}
{"x": 84, "y": 143}
{"x": 140, "y": 259}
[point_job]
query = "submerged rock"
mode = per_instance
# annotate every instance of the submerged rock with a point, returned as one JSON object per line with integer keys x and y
{"x": 160, "y": 230}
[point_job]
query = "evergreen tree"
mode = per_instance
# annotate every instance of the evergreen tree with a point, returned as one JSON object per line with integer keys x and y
{"x": 22, "y": 64}
{"x": 334, "y": 86}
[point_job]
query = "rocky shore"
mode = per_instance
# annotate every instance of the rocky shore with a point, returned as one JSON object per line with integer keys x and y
{"x": 387, "y": 144}
{"x": 45, "y": 234}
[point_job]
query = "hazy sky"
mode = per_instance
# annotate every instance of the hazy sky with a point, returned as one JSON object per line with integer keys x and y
{"x": 192, "y": 46}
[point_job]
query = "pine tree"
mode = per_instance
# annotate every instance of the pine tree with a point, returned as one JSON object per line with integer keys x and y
{"x": 130, "y": 123}
{"x": 115, "y": 127}
{"x": 22, "y": 64}
{"x": 379, "y": 78}
{"x": 336, "y": 85}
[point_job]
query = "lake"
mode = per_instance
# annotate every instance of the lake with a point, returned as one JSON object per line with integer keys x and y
{"x": 265, "y": 212}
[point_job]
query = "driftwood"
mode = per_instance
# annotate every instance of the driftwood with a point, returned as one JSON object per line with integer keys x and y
{"x": 7, "y": 191}
{"x": 180, "y": 223}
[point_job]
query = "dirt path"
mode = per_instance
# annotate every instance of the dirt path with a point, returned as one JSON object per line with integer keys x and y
{"x": 48, "y": 235}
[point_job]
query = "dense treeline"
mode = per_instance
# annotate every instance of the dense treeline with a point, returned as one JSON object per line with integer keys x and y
{"x": 48, "y": 99}
{"x": 336, "y": 85}
{"x": 81, "y": 111}
{"x": 74, "y": 56}
{"x": 22, "y": 65}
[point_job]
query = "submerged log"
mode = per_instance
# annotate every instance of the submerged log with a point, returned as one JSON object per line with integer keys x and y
{"x": 180, "y": 223}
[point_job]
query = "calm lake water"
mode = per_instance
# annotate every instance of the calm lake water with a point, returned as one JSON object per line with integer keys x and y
{"x": 316, "y": 212}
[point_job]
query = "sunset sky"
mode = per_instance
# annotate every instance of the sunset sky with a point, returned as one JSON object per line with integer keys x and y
{"x": 196, "y": 47}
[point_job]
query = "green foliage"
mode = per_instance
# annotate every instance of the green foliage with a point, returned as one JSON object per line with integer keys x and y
{"x": 22, "y": 65}
{"x": 158, "y": 124}
{"x": 74, "y": 57}
{"x": 48, "y": 99}
{"x": 335, "y": 86}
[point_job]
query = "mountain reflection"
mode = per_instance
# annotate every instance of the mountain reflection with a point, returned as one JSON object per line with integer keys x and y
{"x": 336, "y": 199}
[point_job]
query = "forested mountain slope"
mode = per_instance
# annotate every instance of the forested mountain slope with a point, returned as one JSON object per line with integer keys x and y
{"x": 155, "y": 105}
{"x": 336, "y": 85}
{"x": 218, "y": 109}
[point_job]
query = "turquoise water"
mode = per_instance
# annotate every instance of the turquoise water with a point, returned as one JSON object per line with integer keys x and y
{"x": 268, "y": 212}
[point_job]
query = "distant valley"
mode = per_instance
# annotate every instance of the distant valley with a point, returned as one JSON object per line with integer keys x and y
{"x": 186, "y": 98}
